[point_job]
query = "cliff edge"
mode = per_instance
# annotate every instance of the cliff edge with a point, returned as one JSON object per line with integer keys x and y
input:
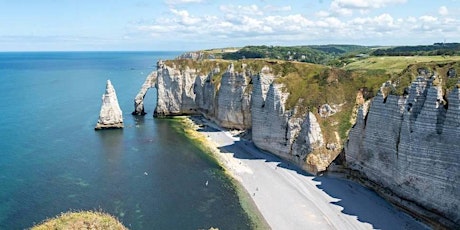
{"x": 244, "y": 96}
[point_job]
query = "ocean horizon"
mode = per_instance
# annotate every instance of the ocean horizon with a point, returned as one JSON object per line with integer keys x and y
{"x": 149, "y": 175}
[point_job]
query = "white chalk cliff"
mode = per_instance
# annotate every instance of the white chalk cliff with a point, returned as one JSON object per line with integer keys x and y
{"x": 408, "y": 146}
{"x": 242, "y": 100}
{"x": 110, "y": 115}
{"x": 285, "y": 133}
{"x": 139, "y": 100}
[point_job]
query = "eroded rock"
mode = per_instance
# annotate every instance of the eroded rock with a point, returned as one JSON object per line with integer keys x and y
{"x": 110, "y": 115}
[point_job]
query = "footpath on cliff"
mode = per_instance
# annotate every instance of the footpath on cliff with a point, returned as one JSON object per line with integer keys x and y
{"x": 289, "y": 198}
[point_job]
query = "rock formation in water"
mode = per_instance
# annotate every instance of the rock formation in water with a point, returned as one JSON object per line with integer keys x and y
{"x": 110, "y": 116}
{"x": 139, "y": 100}
{"x": 410, "y": 146}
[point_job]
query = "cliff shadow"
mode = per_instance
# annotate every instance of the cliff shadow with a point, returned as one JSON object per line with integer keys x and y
{"x": 365, "y": 204}
{"x": 352, "y": 198}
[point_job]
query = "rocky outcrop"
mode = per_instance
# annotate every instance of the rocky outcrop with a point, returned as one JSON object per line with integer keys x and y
{"x": 110, "y": 115}
{"x": 410, "y": 145}
{"x": 226, "y": 102}
{"x": 289, "y": 134}
{"x": 139, "y": 100}
{"x": 243, "y": 100}
{"x": 175, "y": 91}
{"x": 233, "y": 108}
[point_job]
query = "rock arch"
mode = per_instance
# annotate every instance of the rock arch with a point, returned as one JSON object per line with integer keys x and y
{"x": 139, "y": 99}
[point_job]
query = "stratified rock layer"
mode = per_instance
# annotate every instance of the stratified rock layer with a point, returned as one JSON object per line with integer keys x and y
{"x": 110, "y": 116}
{"x": 242, "y": 100}
{"x": 175, "y": 91}
{"x": 407, "y": 146}
{"x": 285, "y": 133}
{"x": 411, "y": 146}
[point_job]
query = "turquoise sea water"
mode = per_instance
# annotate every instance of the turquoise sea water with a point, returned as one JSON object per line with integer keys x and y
{"x": 149, "y": 174}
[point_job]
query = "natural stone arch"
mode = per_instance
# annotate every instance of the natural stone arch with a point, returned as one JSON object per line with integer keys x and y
{"x": 139, "y": 99}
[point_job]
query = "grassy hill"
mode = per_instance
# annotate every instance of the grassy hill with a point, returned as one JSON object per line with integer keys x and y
{"x": 318, "y": 54}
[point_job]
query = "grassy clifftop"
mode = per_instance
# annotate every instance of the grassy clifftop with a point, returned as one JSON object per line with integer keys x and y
{"x": 403, "y": 70}
{"x": 312, "y": 85}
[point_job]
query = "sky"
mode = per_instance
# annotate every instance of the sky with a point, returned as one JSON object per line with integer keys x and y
{"x": 186, "y": 25}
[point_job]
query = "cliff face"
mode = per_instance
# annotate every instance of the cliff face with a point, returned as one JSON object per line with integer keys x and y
{"x": 289, "y": 134}
{"x": 407, "y": 146}
{"x": 139, "y": 100}
{"x": 110, "y": 115}
{"x": 187, "y": 92}
{"x": 410, "y": 145}
{"x": 233, "y": 107}
{"x": 243, "y": 100}
{"x": 175, "y": 91}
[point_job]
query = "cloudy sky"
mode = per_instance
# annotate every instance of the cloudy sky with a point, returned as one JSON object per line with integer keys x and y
{"x": 200, "y": 24}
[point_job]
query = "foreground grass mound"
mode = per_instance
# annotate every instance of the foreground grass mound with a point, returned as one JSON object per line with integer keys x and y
{"x": 81, "y": 220}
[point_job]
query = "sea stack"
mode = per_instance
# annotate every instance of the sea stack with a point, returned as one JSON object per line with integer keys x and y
{"x": 110, "y": 116}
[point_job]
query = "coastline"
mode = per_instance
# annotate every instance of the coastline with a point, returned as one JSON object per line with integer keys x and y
{"x": 192, "y": 126}
{"x": 278, "y": 195}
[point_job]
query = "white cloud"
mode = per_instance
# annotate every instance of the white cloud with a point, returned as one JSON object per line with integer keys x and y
{"x": 443, "y": 11}
{"x": 347, "y": 7}
{"x": 185, "y": 18}
{"x": 428, "y": 18}
{"x": 336, "y": 9}
{"x": 257, "y": 23}
{"x": 364, "y": 4}
{"x": 322, "y": 14}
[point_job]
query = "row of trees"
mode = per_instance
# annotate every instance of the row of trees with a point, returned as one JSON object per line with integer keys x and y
{"x": 436, "y": 49}
{"x": 321, "y": 54}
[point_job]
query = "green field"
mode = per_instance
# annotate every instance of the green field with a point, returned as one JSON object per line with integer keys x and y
{"x": 396, "y": 64}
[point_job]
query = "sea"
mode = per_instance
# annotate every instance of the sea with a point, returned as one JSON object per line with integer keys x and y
{"x": 149, "y": 175}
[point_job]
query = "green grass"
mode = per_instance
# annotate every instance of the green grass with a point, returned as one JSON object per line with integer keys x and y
{"x": 395, "y": 64}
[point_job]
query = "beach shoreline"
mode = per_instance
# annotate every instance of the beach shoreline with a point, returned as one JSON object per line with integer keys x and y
{"x": 282, "y": 196}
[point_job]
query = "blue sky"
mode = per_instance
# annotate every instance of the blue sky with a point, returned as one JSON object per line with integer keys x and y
{"x": 58, "y": 25}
